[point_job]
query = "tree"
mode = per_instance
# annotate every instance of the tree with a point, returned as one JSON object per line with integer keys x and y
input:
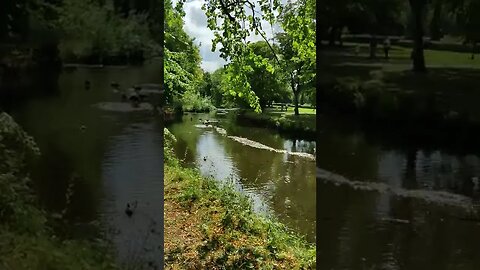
{"x": 418, "y": 8}
{"x": 378, "y": 17}
{"x": 14, "y": 19}
{"x": 269, "y": 87}
{"x": 300, "y": 71}
{"x": 182, "y": 56}
{"x": 334, "y": 15}
{"x": 232, "y": 21}
{"x": 298, "y": 45}
{"x": 435, "y": 24}
{"x": 466, "y": 14}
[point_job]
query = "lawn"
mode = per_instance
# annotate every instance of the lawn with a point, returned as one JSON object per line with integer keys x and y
{"x": 290, "y": 111}
{"x": 302, "y": 125}
{"x": 452, "y": 77}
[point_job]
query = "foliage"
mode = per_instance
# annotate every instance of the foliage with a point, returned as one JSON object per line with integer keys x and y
{"x": 26, "y": 240}
{"x": 92, "y": 30}
{"x": 234, "y": 20}
{"x": 182, "y": 57}
{"x": 268, "y": 87}
{"x": 223, "y": 231}
{"x": 466, "y": 13}
{"x": 192, "y": 102}
{"x": 285, "y": 122}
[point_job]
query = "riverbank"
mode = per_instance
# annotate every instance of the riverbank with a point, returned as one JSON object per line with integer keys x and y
{"x": 387, "y": 91}
{"x": 303, "y": 125}
{"x": 210, "y": 227}
{"x": 27, "y": 237}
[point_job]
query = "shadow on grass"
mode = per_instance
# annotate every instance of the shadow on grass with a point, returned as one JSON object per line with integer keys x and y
{"x": 457, "y": 88}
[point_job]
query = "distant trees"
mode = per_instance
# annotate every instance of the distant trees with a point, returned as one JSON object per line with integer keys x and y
{"x": 182, "y": 57}
{"x": 14, "y": 19}
{"x": 232, "y": 21}
{"x": 269, "y": 87}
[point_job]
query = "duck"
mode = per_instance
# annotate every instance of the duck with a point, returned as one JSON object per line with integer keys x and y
{"x": 130, "y": 208}
{"x": 204, "y": 158}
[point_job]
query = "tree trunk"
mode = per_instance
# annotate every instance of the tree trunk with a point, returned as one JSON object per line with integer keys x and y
{"x": 474, "y": 46}
{"x": 339, "y": 36}
{"x": 435, "y": 31}
{"x": 295, "y": 101}
{"x": 373, "y": 46}
{"x": 410, "y": 170}
{"x": 332, "y": 36}
{"x": 418, "y": 7}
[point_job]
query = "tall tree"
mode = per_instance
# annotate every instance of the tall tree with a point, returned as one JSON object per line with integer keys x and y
{"x": 182, "y": 56}
{"x": 269, "y": 87}
{"x": 418, "y": 8}
{"x": 232, "y": 21}
{"x": 435, "y": 24}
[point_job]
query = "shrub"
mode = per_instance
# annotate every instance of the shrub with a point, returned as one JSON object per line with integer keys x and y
{"x": 95, "y": 34}
{"x": 193, "y": 102}
{"x": 27, "y": 242}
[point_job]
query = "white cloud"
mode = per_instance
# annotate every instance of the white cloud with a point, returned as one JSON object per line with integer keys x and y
{"x": 211, "y": 66}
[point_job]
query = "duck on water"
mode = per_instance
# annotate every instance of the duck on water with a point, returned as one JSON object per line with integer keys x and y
{"x": 130, "y": 208}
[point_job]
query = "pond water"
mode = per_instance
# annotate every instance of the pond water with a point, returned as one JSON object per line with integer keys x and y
{"x": 388, "y": 202}
{"x": 104, "y": 153}
{"x": 278, "y": 174}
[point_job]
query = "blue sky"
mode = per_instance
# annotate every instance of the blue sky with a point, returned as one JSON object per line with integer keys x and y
{"x": 196, "y": 26}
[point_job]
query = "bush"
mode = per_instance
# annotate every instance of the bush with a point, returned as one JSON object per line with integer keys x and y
{"x": 193, "y": 102}
{"x": 95, "y": 34}
{"x": 26, "y": 240}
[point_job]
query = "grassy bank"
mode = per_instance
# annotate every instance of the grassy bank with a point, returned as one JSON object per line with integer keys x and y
{"x": 303, "y": 125}
{"x": 377, "y": 89}
{"x": 213, "y": 227}
{"x": 27, "y": 240}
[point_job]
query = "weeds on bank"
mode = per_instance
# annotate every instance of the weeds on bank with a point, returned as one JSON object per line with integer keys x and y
{"x": 210, "y": 226}
{"x": 26, "y": 241}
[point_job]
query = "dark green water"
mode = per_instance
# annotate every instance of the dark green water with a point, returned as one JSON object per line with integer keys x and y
{"x": 115, "y": 159}
{"x": 279, "y": 184}
{"x": 387, "y": 201}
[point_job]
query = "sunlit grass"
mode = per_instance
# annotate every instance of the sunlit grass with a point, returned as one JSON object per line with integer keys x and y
{"x": 401, "y": 56}
{"x": 209, "y": 226}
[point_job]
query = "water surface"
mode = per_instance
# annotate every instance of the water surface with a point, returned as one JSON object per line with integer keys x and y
{"x": 104, "y": 153}
{"x": 386, "y": 201}
{"x": 278, "y": 174}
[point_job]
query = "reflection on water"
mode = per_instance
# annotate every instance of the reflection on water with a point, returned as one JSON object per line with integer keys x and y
{"x": 111, "y": 150}
{"x": 385, "y": 202}
{"x": 259, "y": 161}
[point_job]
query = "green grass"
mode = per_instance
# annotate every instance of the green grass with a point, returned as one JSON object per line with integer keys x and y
{"x": 210, "y": 226}
{"x": 399, "y": 58}
{"x": 452, "y": 76}
{"x": 290, "y": 111}
{"x": 302, "y": 125}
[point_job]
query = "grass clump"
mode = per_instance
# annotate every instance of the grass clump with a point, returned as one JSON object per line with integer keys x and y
{"x": 303, "y": 125}
{"x": 26, "y": 240}
{"x": 210, "y": 226}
